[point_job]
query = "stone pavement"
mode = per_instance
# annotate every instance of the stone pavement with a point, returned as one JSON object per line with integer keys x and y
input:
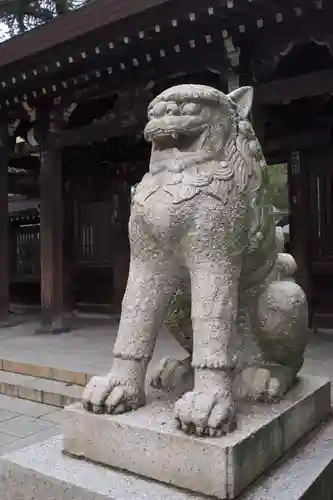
{"x": 319, "y": 356}
{"x": 23, "y": 423}
{"x": 88, "y": 346}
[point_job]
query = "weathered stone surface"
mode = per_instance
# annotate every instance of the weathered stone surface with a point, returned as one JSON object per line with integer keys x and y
{"x": 206, "y": 259}
{"x": 42, "y": 472}
{"x": 147, "y": 442}
{"x": 306, "y": 474}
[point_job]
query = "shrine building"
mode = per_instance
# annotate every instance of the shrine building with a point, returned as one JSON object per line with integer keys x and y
{"x": 73, "y": 100}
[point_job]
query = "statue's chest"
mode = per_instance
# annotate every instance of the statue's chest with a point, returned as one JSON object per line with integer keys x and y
{"x": 171, "y": 204}
{"x": 162, "y": 218}
{"x": 168, "y": 188}
{"x": 156, "y": 212}
{"x": 175, "y": 188}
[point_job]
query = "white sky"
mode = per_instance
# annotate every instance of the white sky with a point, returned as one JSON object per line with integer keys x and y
{"x": 3, "y": 32}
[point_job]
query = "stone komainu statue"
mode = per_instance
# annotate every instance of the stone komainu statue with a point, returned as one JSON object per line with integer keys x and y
{"x": 207, "y": 260}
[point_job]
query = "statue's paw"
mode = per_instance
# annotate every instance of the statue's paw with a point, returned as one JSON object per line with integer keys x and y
{"x": 265, "y": 384}
{"x": 170, "y": 373}
{"x": 109, "y": 395}
{"x": 207, "y": 414}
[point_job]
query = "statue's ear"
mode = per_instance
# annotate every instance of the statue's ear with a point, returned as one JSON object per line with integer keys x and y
{"x": 243, "y": 98}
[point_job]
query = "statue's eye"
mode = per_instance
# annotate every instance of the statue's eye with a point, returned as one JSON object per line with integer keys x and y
{"x": 173, "y": 109}
{"x": 158, "y": 110}
{"x": 190, "y": 108}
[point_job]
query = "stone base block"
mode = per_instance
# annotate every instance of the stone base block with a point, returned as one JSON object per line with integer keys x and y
{"x": 147, "y": 442}
{"x": 42, "y": 472}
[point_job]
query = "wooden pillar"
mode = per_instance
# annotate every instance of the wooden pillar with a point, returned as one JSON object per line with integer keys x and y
{"x": 51, "y": 242}
{"x": 300, "y": 220}
{"x": 68, "y": 232}
{"x": 4, "y": 226}
{"x": 122, "y": 250}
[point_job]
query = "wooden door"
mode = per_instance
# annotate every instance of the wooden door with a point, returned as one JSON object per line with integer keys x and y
{"x": 315, "y": 219}
{"x": 93, "y": 253}
{"x": 299, "y": 205}
{"x": 101, "y": 253}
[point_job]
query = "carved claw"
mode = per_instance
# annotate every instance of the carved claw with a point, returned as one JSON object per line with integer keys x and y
{"x": 265, "y": 384}
{"x": 205, "y": 414}
{"x": 170, "y": 373}
{"x": 95, "y": 394}
{"x": 109, "y": 395}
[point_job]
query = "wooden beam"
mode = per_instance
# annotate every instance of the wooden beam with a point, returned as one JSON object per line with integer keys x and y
{"x": 51, "y": 242}
{"x": 104, "y": 19}
{"x": 4, "y": 226}
{"x": 99, "y": 132}
{"x": 272, "y": 42}
{"x": 186, "y": 59}
{"x": 298, "y": 87}
{"x": 303, "y": 140}
{"x": 96, "y": 132}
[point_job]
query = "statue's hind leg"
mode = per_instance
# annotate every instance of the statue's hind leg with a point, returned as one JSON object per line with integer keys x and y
{"x": 172, "y": 372}
{"x": 280, "y": 325}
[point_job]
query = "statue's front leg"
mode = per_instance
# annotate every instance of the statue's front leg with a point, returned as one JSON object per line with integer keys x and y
{"x": 146, "y": 297}
{"x": 209, "y": 408}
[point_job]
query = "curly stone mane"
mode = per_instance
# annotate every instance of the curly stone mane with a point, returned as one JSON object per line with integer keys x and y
{"x": 244, "y": 154}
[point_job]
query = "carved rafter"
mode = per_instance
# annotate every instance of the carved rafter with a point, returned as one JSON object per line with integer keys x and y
{"x": 25, "y": 126}
{"x": 128, "y": 100}
{"x": 298, "y": 87}
{"x": 270, "y": 48}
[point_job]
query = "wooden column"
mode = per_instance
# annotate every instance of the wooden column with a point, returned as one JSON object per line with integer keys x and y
{"x": 299, "y": 218}
{"x": 122, "y": 250}
{"x": 51, "y": 242}
{"x": 68, "y": 263}
{"x": 4, "y": 227}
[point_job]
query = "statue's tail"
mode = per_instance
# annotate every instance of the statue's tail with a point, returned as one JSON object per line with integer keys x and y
{"x": 286, "y": 266}
{"x": 285, "y": 263}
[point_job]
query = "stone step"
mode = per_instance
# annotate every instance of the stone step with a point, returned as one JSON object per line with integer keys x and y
{"x": 40, "y": 390}
{"x": 306, "y": 473}
{"x": 47, "y": 372}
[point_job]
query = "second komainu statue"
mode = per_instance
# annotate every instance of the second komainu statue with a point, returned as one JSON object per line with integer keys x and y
{"x": 208, "y": 261}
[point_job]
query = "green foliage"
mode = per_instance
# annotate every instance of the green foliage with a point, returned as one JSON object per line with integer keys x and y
{"x": 22, "y": 15}
{"x": 278, "y": 182}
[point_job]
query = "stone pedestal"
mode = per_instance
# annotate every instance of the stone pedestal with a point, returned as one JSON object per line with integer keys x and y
{"x": 146, "y": 442}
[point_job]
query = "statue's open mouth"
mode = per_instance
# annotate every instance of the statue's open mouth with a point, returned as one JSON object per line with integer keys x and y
{"x": 174, "y": 132}
{"x": 181, "y": 142}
